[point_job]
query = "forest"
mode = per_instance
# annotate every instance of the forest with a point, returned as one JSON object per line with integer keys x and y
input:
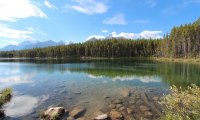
{"x": 183, "y": 41}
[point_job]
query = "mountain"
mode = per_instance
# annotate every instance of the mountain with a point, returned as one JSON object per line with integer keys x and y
{"x": 92, "y": 39}
{"x": 29, "y": 45}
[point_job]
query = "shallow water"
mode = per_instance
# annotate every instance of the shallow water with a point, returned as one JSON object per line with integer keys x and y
{"x": 38, "y": 84}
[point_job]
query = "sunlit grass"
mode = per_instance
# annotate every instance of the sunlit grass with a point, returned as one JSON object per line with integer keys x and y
{"x": 182, "y": 104}
{"x": 179, "y": 60}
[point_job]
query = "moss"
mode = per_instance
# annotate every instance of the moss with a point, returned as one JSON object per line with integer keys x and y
{"x": 182, "y": 104}
{"x": 5, "y": 96}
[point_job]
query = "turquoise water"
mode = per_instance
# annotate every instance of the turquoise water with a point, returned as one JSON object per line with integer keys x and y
{"x": 38, "y": 84}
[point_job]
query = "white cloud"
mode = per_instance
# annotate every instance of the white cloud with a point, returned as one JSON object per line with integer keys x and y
{"x": 145, "y": 34}
{"x": 8, "y": 42}
{"x": 11, "y": 10}
{"x": 89, "y": 7}
{"x": 118, "y": 19}
{"x": 151, "y": 34}
{"x": 10, "y": 33}
{"x": 95, "y": 36}
{"x": 104, "y": 31}
{"x": 49, "y": 5}
{"x": 124, "y": 35}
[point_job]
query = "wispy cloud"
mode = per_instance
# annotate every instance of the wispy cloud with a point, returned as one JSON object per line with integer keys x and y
{"x": 89, "y": 7}
{"x": 11, "y": 10}
{"x": 49, "y": 5}
{"x": 151, "y": 3}
{"x": 191, "y": 1}
{"x": 104, "y": 31}
{"x": 177, "y": 8}
{"x": 6, "y": 32}
{"x": 118, "y": 19}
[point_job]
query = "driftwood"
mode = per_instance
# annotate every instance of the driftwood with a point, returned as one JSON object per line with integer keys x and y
{"x": 149, "y": 103}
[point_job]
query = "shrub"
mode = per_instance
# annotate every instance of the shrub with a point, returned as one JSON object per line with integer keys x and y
{"x": 5, "y": 96}
{"x": 182, "y": 104}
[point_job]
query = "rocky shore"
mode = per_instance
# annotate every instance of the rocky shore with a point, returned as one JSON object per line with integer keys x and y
{"x": 131, "y": 104}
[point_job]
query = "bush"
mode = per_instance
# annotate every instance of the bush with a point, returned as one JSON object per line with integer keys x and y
{"x": 5, "y": 96}
{"x": 182, "y": 104}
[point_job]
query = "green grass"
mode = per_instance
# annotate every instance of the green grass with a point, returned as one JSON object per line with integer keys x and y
{"x": 182, "y": 104}
{"x": 5, "y": 96}
{"x": 179, "y": 60}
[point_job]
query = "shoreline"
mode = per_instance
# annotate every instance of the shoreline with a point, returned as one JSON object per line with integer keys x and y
{"x": 157, "y": 59}
{"x": 178, "y": 60}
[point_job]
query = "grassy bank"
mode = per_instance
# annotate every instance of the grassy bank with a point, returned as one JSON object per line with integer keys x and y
{"x": 178, "y": 60}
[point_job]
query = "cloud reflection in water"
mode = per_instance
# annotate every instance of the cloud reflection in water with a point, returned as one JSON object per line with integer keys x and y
{"x": 16, "y": 80}
{"x": 23, "y": 105}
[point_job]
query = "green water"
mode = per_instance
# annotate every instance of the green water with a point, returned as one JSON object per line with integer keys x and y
{"x": 38, "y": 84}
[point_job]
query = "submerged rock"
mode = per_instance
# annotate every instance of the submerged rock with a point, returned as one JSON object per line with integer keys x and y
{"x": 101, "y": 117}
{"x": 77, "y": 112}
{"x": 129, "y": 110}
{"x": 119, "y": 106}
{"x": 53, "y": 113}
{"x": 122, "y": 108}
{"x": 125, "y": 92}
{"x": 148, "y": 114}
{"x": 69, "y": 98}
{"x": 115, "y": 115}
{"x": 155, "y": 98}
{"x": 77, "y": 93}
{"x": 70, "y": 118}
{"x": 144, "y": 108}
{"x": 112, "y": 106}
{"x": 106, "y": 97}
{"x": 132, "y": 101}
{"x": 62, "y": 92}
{"x": 117, "y": 101}
{"x": 104, "y": 109}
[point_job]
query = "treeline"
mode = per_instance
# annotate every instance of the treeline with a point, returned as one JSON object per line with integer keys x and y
{"x": 99, "y": 48}
{"x": 183, "y": 41}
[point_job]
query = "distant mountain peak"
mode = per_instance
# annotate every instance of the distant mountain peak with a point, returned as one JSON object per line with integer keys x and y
{"x": 92, "y": 39}
{"x": 32, "y": 44}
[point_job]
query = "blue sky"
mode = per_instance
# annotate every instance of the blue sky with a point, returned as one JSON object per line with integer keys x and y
{"x": 79, "y": 20}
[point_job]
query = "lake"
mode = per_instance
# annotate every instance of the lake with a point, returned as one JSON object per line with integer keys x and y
{"x": 38, "y": 84}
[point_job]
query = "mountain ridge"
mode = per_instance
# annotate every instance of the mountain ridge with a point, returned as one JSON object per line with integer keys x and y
{"x": 29, "y": 45}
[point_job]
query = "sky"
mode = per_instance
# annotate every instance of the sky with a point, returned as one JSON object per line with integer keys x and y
{"x": 79, "y": 20}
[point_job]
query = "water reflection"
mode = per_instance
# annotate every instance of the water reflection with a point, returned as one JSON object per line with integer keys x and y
{"x": 12, "y": 75}
{"x": 13, "y": 80}
{"x": 21, "y": 105}
{"x": 55, "y": 82}
{"x": 144, "y": 79}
